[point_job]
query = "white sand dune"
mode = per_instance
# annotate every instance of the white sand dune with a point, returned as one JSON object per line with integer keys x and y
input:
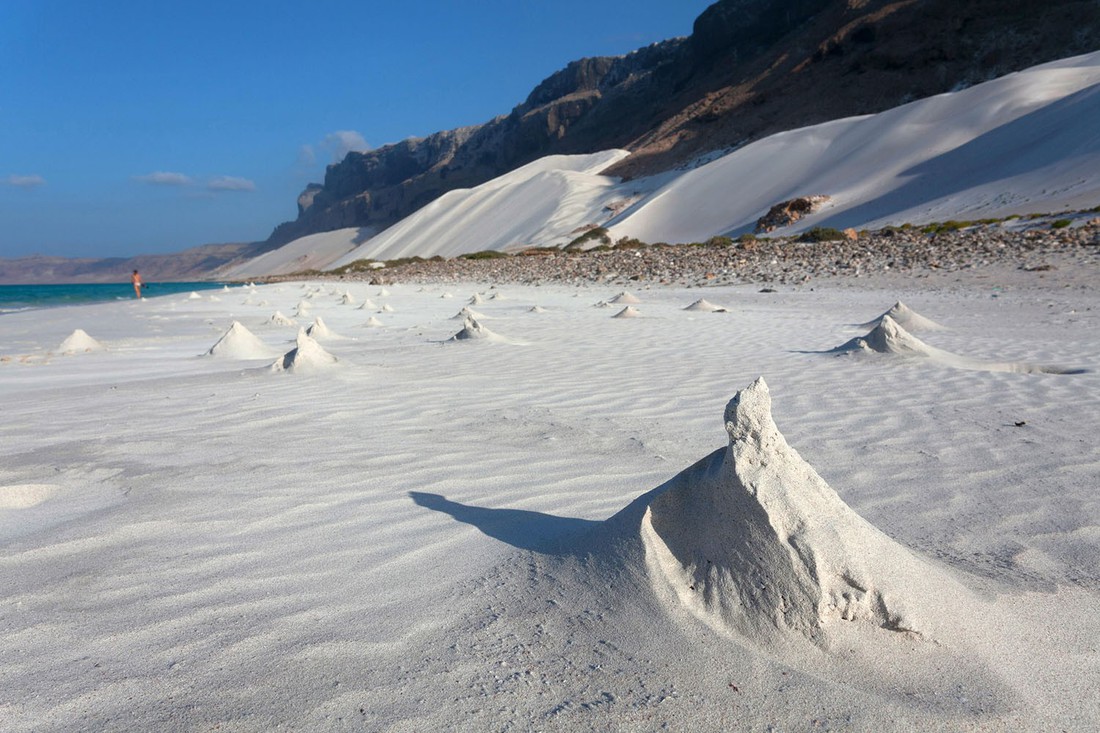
{"x": 1023, "y": 143}
{"x": 367, "y": 304}
{"x": 539, "y": 203}
{"x": 312, "y": 252}
{"x": 347, "y": 299}
{"x": 240, "y": 343}
{"x": 306, "y": 356}
{"x": 905, "y": 317}
{"x": 373, "y": 322}
{"x": 625, "y": 297}
{"x": 705, "y": 306}
{"x": 536, "y": 309}
{"x": 890, "y": 338}
{"x": 476, "y": 299}
{"x": 79, "y": 342}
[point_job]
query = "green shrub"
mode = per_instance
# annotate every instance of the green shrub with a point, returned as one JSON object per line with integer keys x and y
{"x": 594, "y": 234}
{"x": 718, "y": 241}
{"x": 747, "y": 237}
{"x": 822, "y": 234}
{"x": 485, "y": 254}
{"x": 630, "y": 243}
{"x": 1060, "y": 223}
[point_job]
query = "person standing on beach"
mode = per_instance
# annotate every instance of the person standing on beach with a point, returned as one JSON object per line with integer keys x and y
{"x": 136, "y": 280}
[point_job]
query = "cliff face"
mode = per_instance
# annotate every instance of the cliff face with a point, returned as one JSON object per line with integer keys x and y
{"x": 750, "y": 68}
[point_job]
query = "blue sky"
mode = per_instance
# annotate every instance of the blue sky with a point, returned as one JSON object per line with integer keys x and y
{"x": 131, "y": 127}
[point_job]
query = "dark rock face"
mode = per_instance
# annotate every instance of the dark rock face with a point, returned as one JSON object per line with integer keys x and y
{"x": 750, "y": 68}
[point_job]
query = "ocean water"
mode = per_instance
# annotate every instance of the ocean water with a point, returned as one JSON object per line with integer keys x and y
{"x": 15, "y": 298}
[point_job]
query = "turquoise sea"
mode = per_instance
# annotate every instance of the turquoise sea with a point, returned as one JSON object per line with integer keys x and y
{"x": 15, "y": 298}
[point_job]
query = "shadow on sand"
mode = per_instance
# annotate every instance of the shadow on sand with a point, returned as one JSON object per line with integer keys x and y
{"x": 522, "y": 529}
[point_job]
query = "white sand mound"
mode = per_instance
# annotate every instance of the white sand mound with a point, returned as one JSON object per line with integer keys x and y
{"x": 628, "y": 312}
{"x": 625, "y": 297}
{"x": 368, "y": 304}
{"x": 905, "y": 317}
{"x": 536, "y": 309}
{"x": 447, "y": 295}
{"x": 705, "y": 306}
{"x": 890, "y": 338}
{"x": 79, "y": 342}
{"x": 752, "y": 540}
{"x": 467, "y": 312}
{"x": 320, "y": 330}
{"x": 278, "y": 319}
{"x": 386, "y": 308}
{"x": 373, "y": 322}
{"x": 476, "y": 299}
{"x": 472, "y": 330}
{"x": 601, "y": 304}
{"x": 194, "y": 296}
{"x": 307, "y": 355}
{"x": 498, "y": 296}
{"x": 347, "y": 299}
{"x": 240, "y": 343}
{"x": 383, "y": 293}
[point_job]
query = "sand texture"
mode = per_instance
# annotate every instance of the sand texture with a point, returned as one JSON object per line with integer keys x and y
{"x": 686, "y": 522}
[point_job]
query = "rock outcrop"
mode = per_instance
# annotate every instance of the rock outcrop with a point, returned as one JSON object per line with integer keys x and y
{"x": 788, "y": 212}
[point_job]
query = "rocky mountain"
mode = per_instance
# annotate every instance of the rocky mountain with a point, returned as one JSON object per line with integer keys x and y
{"x": 749, "y": 69}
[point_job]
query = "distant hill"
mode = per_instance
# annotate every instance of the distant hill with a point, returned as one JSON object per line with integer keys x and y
{"x": 197, "y": 263}
{"x": 749, "y": 69}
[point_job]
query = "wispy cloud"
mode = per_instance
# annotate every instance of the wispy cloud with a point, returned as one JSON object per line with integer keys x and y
{"x": 164, "y": 178}
{"x": 342, "y": 142}
{"x": 25, "y": 181}
{"x": 230, "y": 183}
{"x": 306, "y": 156}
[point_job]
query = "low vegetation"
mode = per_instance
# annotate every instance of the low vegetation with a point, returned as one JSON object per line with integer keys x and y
{"x": 822, "y": 234}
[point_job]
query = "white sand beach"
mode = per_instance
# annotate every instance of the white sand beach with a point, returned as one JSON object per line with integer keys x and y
{"x": 576, "y": 527}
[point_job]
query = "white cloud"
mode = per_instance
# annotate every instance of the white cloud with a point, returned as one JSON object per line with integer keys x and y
{"x": 25, "y": 181}
{"x": 230, "y": 183}
{"x": 306, "y": 156}
{"x": 164, "y": 178}
{"x": 342, "y": 142}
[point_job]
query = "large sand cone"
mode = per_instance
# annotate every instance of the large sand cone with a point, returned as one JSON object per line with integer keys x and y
{"x": 240, "y": 343}
{"x": 753, "y": 541}
{"x": 307, "y": 355}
